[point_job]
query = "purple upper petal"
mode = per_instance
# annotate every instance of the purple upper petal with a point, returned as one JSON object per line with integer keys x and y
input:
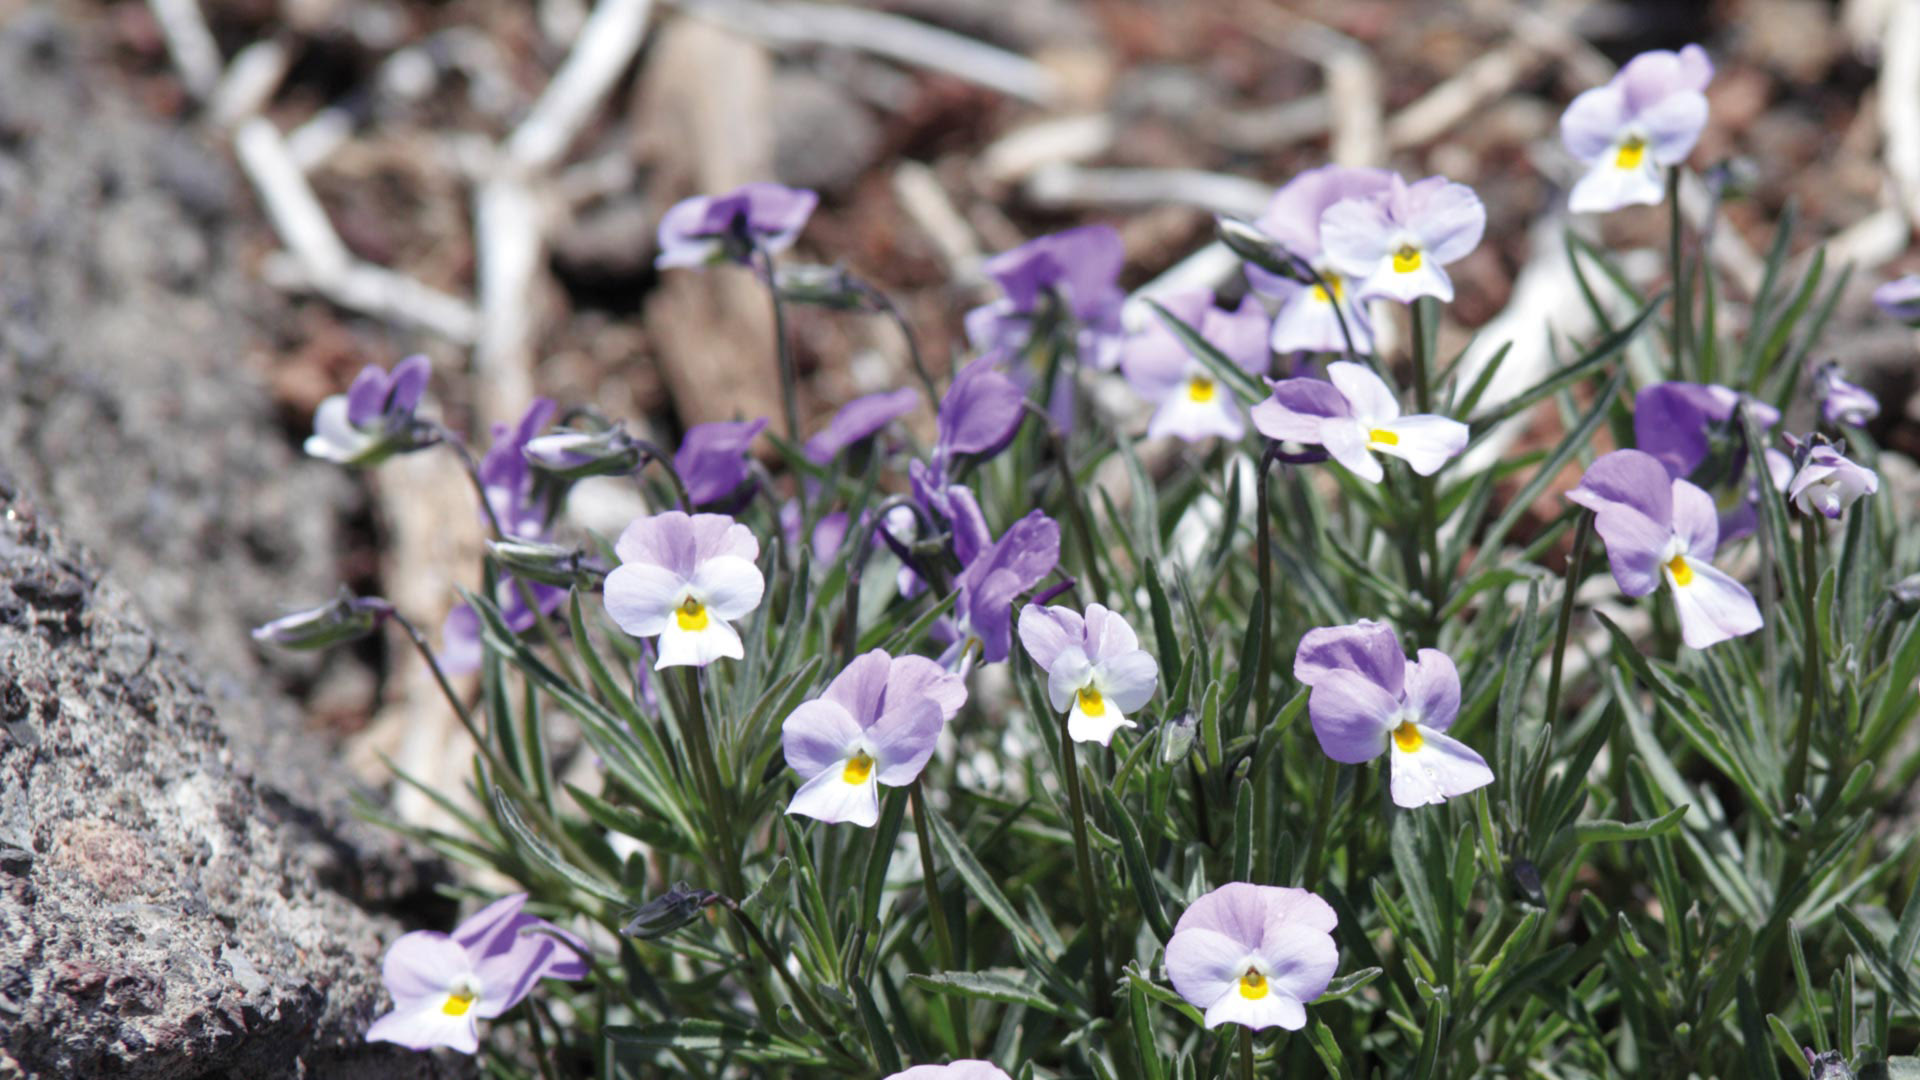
{"x": 1294, "y": 412}
{"x": 1292, "y": 217}
{"x": 1083, "y": 264}
{"x": 861, "y": 686}
{"x": 981, "y": 412}
{"x": 1841, "y": 402}
{"x": 508, "y": 478}
{"x": 1019, "y": 560}
{"x": 858, "y": 419}
{"x": 680, "y": 542}
{"x": 1367, "y": 648}
{"x": 1631, "y": 478}
{"x": 1433, "y": 688}
{"x": 712, "y": 459}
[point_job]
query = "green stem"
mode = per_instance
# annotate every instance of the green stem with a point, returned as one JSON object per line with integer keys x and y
{"x": 1675, "y": 257}
{"x": 803, "y": 1001}
{"x": 1423, "y": 326}
{"x": 706, "y": 773}
{"x": 1322, "y": 818}
{"x": 1082, "y": 523}
{"x": 1263, "y": 666}
{"x": 1576, "y": 564}
{"x": 899, "y": 318}
{"x": 1083, "y": 860}
{"x": 1810, "y": 660}
{"x": 1246, "y": 1053}
{"x": 937, "y": 912}
{"x": 783, "y": 351}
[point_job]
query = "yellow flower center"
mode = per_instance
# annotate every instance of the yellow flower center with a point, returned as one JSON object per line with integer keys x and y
{"x": 1682, "y": 573}
{"x": 1406, "y": 260}
{"x": 1333, "y": 290}
{"x": 692, "y": 615}
{"x": 1407, "y": 736}
{"x": 1631, "y": 152}
{"x": 458, "y": 1002}
{"x": 1200, "y": 389}
{"x": 1091, "y": 703}
{"x": 1383, "y": 437}
{"x": 1253, "y": 985}
{"x": 859, "y": 767}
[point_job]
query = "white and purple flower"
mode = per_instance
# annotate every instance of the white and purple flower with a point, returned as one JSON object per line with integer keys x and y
{"x": 1842, "y": 402}
{"x": 373, "y": 420}
{"x": 1645, "y": 119}
{"x": 443, "y": 983}
{"x": 995, "y": 574}
{"x": 1397, "y": 242}
{"x": 1192, "y": 405}
{"x": 876, "y": 723}
{"x": 683, "y": 579}
{"x": 1662, "y": 528}
{"x": 1827, "y": 482}
{"x": 1900, "y": 299}
{"x": 964, "y": 1069}
{"x": 1354, "y": 415}
{"x": 1254, "y": 955}
{"x": 1097, "y": 672}
{"x": 1368, "y": 699}
{"x": 1310, "y": 314}
{"x": 708, "y": 229}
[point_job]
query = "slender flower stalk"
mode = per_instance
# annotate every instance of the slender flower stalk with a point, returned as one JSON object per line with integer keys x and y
{"x": 1812, "y": 666}
{"x": 1090, "y": 896}
{"x": 1576, "y": 565}
{"x": 937, "y": 914}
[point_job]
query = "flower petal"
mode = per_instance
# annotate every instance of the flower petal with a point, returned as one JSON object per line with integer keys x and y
{"x": 1448, "y": 218}
{"x": 1629, "y": 477}
{"x": 817, "y": 736}
{"x": 1071, "y": 671}
{"x": 1096, "y": 729}
{"x": 1593, "y": 122}
{"x": 1369, "y": 396}
{"x": 1695, "y": 520}
{"x": 829, "y": 798}
{"x": 1713, "y": 607}
{"x": 1606, "y": 187}
{"x": 1357, "y": 235}
{"x": 1674, "y": 125}
{"x": 1298, "y": 408}
{"x": 641, "y": 597}
{"x": 1273, "y": 1010}
{"x": 912, "y": 678}
{"x": 423, "y": 965}
{"x": 1433, "y": 689}
{"x": 1351, "y": 716}
{"x": 1205, "y": 964}
{"x": 903, "y": 740}
{"x": 1236, "y": 909}
{"x": 1128, "y": 680}
{"x": 1442, "y": 768}
{"x": 1298, "y": 960}
{"x": 1367, "y": 647}
{"x": 861, "y": 687}
{"x": 1180, "y": 417}
{"x": 729, "y": 585}
{"x": 426, "y": 1025}
{"x": 1108, "y": 633}
{"x": 1425, "y": 442}
{"x": 1636, "y": 547}
{"x": 698, "y": 647}
{"x": 1346, "y": 441}
{"x": 1047, "y": 631}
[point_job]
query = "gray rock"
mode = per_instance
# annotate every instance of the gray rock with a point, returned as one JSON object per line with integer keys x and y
{"x": 823, "y": 138}
{"x": 157, "y": 917}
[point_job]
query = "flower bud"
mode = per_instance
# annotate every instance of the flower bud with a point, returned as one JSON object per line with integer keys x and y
{"x": 548, "y": 564}
{"x": 347, "y": 618}
{"x": 572, "y": 455}
{"x": 825, "y": 286}
{"x": 670, "y": 911}
{"x": 1245, "y": 239}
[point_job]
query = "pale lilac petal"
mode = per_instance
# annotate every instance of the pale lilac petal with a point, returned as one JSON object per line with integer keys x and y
{"x": 516, "y": 961}
{"x": 1593, "y": 122}
{"x": 1346, "y": 441}
{"x": 1298, "y": 408}
{"x": 1425, "y": 442}
{"x": 1309, "y": 322}
{"x": 861, "y": 686}
{"x": 1367, "y": 647}
{"x": 1713, "y": 607}
{"x": 698, "y": 647}
{"x": 1351, "y": 716}
{"x": 1696, "y": 521}
{"x": 1406, "y": 286}
{"x": 830, "y": 798}
{"x": 408, "y": 383}
{"x": 1298, "y": 961}
{"x": 641, "y": 597}
{"x": 1696, "y": 68}
{"x": 818, "y": 735}
{"x": 423, "y": 965}
{"x": 1205, "y": 965}
{"x": 964, "y": 1069}
{"x": 479, "y": 931}
{"x": 1155, "y": 363}
{"x": 729, "y": 586}
{"x": 1674, "y": 126}
{"x": 916, "y": 678}
{"x": 1047, "y": 631}
{"x": 1127, "y": 680}
{"x": 1448, "y": 218}
{"x": 367, "y": 396}
{"x": 1297, "y": 907}
{"x": 1108, "y": 634}
{"x": 1293, "y": 215}
{"x": 1629, "y": 478}
{"x": 903, "y": 740}
{"x": 1442, "y": 768}
{"x": 1071, "y": 670}
{"x": 1357, "y": 235}
{"x": 1237, "y": 909}
{"x": 1372, "y": 401}
{"x": 1636, "y": 547}
{"x": 1433, "y": 689}
{"x": 1241, "y": 334}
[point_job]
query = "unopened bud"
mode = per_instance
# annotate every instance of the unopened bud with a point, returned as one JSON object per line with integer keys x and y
{"x": 347, "y": 618}
{"x": 572, "y": 455}
{"x": 1246, "y": 240}
{"x": 548, "y": 564}
{"x": 670, "y": 911}
{"x": 825, "y": 286}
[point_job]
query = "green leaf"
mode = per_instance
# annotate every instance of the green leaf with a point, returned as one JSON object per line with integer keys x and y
{"x": 714, "y": 1038}
{"x": 544, "y": 853}
{"x": 1004, "y": 985}
{"x": 1246, "y": 387}
{"x": 1594, "y": 832}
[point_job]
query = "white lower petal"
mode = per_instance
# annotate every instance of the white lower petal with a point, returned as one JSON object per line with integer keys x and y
{"x": 1181, "y": 417}
{"x": 1096, "y": 729}
{"x": 1272, "y": 1010}
{"x": 1424, "y": 442}
{"x": 1712, "y": 606}
{"x": 698, "y": 647}
{"x": 426, "y": 1024}
{"x": 828, "y": 797}
{"x": 1346, "y": 441}
{"x": 1442, "y": 768}
{"x": 1607, "y": 187}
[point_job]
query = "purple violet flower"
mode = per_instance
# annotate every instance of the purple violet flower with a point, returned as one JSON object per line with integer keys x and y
{"x": 979, "y": 415}
{"x": 684, "y": 579}
{"x": 712, "y": 459}
{"x": 1081, "y": 267}
{"x": 442, "y": 983}
{"x": 1396, "y": 243}
{"x": 859, "y": 419}
{"x": 1254, "y": 955}
{"x": 1192, "y": 404}
{"x": 1368, "y": 699}
{"x": 1097, "y": 672}
{"x": 1648, "y": 116}
{"x": 1678, "y": 422}
{"x": 1656, "y": 528}
{"x": 993, "y": 578}
{"x": 1842, "y": 402}
{"x": 346, "y": 618}
{"x": 707, "y": 229}
{"x": 964, "y": 1069}
{"x": 1827, "y": 482}
{"x": 1900, "y": 299}
{"x": 373, "y": 420}
{"x": 876, "y": 723}
{"x": 1308, "y": 321}
{"x": 1355, "y": 415}
{"x": 517, "y": 500}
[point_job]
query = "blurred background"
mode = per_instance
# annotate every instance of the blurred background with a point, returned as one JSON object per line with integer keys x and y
{"x": 214, "y": 212}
